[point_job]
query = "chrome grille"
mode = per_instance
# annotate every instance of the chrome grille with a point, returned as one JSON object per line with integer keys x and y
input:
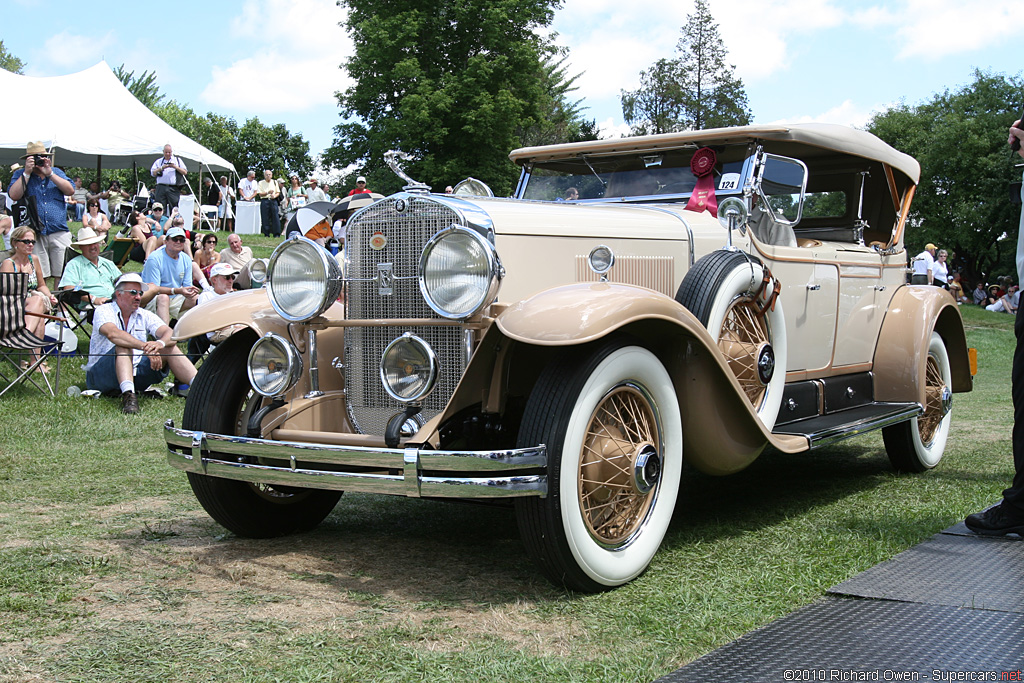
{"x": 406, "y": 233}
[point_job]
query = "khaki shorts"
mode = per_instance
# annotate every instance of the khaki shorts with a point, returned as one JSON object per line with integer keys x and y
{"x": 175, "y": 308}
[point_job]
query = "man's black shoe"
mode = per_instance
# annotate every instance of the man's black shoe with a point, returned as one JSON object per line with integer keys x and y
{"x": 996, "y": 521}
{"x": 129, "y": 403}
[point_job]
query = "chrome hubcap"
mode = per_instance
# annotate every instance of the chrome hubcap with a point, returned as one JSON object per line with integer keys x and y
{"x": 646, "y": 468}
{"x": 765, "y": 364}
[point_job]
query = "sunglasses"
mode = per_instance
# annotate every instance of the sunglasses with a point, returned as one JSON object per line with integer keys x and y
{"x": 158, "y": 209}
{"x": 210, "y": 242}
{"x": 29, "y": 242}
{"x": 132, "y": 292}
{"x": 177, "y": 239}
{"x": 228, "y": 277}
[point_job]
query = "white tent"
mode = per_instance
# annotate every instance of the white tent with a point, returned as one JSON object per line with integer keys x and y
{"x": 114, "y": 132}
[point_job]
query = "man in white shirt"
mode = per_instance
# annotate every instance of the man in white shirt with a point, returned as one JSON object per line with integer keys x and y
{"x": 247, "y": 188}
{"x": 121, "y": 356}
{"x": 923, "y": 266}
{"x": 166, "y": 170}
{"x": 314, "y": 193}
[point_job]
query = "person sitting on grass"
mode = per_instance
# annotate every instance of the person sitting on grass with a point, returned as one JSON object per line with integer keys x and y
{"x": 207, "y": 256}
{"x": 122, "y": 357}
{"x": 1007, "y": 303}
{"x": 88, "y": 272}
{"x": 238, "y": 256}
{"x": 96, "y": 219}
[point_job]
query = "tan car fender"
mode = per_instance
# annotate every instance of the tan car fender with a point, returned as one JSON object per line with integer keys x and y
{"x": 247, "y": 307}
{"x": 582, "y": 312}
{"x": 720, "y": 429}
{"x": 899, "y": 363}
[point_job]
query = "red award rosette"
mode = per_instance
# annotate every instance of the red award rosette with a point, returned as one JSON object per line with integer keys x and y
{"x": 703, "y": 166}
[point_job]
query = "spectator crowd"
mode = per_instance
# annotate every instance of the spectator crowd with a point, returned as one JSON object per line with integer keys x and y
{"x": 131, "y": 313}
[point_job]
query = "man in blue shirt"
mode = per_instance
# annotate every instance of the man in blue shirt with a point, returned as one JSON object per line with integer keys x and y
{"x": 170, "y": 273}
{"x": 48, "y": 186}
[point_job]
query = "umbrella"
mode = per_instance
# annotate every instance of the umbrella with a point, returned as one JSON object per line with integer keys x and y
{"x": 356, "y": 201}
{"x": 309, "y": 215}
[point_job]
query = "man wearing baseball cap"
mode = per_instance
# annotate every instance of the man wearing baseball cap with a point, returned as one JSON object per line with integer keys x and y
{"x": 222, "y": 279}
{"x": 47, "y": 187}
{"x": 923, "y": 265}
{"x": 122, "y": 357}
{"x": 360, "y": 187}
{"x": 170, "y": 274}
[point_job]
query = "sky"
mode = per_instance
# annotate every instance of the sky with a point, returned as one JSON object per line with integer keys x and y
{"x": 832, "y": 61}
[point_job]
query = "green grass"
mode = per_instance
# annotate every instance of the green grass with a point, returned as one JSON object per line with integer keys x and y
{"x": 112, "y": 572}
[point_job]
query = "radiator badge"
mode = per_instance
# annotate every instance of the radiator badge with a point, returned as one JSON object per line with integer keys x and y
{"x": 378, "y": 241}
{"x": 385, "y": 279}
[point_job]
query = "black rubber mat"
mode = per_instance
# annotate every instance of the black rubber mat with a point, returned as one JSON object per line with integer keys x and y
{"x": 959, "y": 571}
{"x": 848, "y": 639}
{"x": 960, "y": 529}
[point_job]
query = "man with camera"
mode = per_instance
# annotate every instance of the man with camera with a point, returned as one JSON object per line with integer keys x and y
{"x": 169, "y": 172}
{"x": 45, "y": 186}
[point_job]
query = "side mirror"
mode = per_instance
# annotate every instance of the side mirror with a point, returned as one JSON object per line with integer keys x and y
{"x": 781, "y": 185}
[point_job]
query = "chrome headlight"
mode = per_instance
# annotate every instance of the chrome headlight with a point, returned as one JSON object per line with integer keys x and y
{"x": 274, "y": 365}
{"x": 459, "y": 273}
{"x": 408, "y": 368}
{"x": 303, "y": 279}
{"x": 258, "y": 270}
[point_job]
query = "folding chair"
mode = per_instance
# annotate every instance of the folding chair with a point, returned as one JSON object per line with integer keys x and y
{"x": 118, "y": 249}
{"x": 76, "y": 308}
{"x": 16, "y": 342}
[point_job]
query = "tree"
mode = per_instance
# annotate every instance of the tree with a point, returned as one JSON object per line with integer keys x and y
{"x": 253, "y": 145}
{"x": 962, "y": 203}
{"x": 657, "y": 106}
{"x": 144, "y": 87}
{"x": 562, "y": 118}
{"x": 696, "y": 90}
{"x": 454, "y": 84}
{"x": 9, "y": 61}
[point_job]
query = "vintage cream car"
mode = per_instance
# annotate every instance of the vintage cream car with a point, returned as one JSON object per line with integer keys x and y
{"x": 564, "y": 357}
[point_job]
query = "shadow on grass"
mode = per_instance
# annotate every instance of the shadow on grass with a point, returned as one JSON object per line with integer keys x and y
{"x": 432, "y": 551}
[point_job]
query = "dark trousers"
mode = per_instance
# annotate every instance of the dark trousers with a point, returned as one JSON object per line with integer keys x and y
{"x": 168, "y": 195}
{"x": 1015, "y": 494}
{"x": 270, "y": 218}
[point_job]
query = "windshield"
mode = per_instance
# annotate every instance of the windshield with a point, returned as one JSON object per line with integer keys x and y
{"x": 664, "y": 175}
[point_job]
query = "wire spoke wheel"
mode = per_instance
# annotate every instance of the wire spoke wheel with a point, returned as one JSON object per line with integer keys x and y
{"x": 934, "y": 409}
{"x": 620, "y": 429}
{"x": 744, "y": 333}
{"x": 610, "y": 420}
{"x": 918, "y": 444}
{"x": 730, "y": 294}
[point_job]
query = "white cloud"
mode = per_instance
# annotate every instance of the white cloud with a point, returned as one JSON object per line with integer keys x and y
{"x": 67, "y": 50}
{"x": 612, "y": 128}
{"x": 296, "y": 66}
{"x": 610, "y": 43}
{"x": 939, "y": 28}
{"x": 760, "y": 35}
{"x": 847, "y": 114}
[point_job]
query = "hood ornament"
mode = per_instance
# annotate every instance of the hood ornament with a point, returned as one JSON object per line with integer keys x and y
{"x": 392, "y": 158}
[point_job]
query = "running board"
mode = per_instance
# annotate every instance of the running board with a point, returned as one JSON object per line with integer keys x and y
{"x": 822, "y": 430}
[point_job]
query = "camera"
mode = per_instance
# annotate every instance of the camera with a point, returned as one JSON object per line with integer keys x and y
{"x": 39, "y": 159}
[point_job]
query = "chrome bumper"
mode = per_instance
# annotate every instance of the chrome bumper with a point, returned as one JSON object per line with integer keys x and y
{"x": 408, "y": 472}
